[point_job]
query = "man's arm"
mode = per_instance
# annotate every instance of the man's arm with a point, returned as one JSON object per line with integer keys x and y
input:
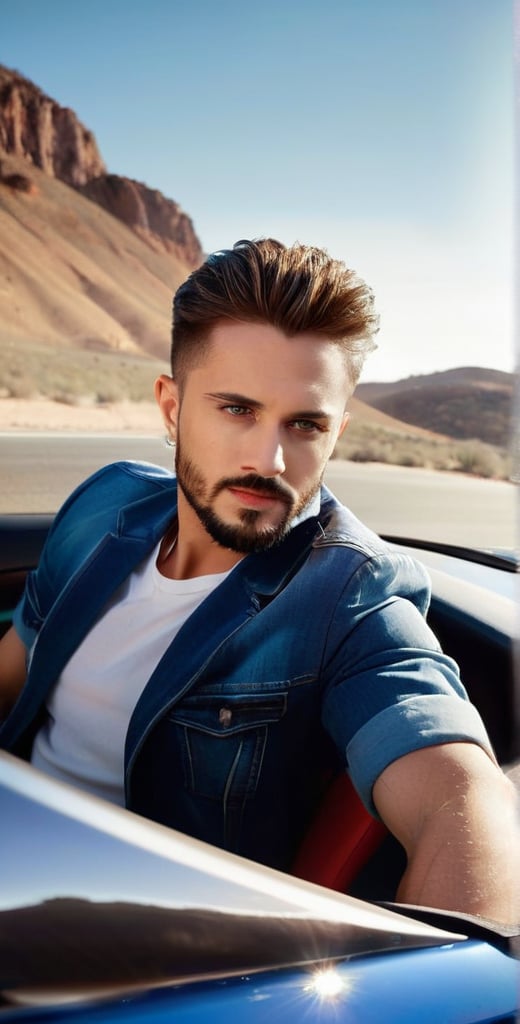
{"x": 457, "y": 816}
{"x": 12, "y": 670}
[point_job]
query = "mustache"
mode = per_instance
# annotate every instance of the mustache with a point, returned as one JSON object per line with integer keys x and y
{"x": 253, "y": 482}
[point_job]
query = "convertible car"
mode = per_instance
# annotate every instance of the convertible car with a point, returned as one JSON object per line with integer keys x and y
{"x": 107, "y": 917}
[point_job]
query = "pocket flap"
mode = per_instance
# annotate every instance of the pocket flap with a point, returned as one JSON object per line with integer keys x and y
{"x": 226, "y": 714}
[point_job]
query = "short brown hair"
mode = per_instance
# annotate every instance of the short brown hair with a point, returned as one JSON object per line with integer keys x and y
{"x": 296, "y": 289}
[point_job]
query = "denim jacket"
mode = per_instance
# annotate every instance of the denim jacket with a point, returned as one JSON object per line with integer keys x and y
{"x": 308, "y": 656}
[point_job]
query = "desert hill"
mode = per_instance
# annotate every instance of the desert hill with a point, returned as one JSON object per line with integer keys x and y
{"x": 467, "y": 402}
{"x": 73, "y": 276}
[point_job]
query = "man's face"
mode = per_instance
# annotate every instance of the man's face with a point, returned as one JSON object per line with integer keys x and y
{"x": 256, "y": 422}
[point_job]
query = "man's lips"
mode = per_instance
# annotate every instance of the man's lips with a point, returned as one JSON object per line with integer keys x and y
{"x": 256, "y": 499}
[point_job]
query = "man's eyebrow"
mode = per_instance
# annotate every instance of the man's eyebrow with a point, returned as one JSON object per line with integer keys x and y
{"x": 252, "y": 403}
{"x": 235, "y": 399}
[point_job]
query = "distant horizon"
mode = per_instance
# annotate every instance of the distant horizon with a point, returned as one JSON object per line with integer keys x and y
{"x": 382, "y": 133}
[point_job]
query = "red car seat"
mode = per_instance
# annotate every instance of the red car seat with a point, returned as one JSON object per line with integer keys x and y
{"x": 341, "y": 839}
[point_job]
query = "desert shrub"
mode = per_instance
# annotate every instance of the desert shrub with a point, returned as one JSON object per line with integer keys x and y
{"x": 480, "y": 459}
{"x": 365, "y": 442}
{"x": 19, "y": 383}
{"x": 65, "y": 398}
{"x": 366, "y": 453}
{"x": 110, "y": 393}
{"x": 408, "y": 458}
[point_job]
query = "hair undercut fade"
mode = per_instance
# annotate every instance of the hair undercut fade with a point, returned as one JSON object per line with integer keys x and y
{"x": 296, "y": 289}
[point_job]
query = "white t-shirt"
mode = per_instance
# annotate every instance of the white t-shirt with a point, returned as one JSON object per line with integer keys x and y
{"x": 83, "y": 738}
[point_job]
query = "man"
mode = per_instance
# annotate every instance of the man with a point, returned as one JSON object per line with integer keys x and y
{"x": 203, "y": 648}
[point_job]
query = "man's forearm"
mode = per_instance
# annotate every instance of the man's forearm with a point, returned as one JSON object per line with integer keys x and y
{"x": 457, "y": 816}
{"x": 473, "y": 874}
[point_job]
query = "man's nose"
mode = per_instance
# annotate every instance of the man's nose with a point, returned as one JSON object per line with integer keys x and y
{"x": 264, "y": 454}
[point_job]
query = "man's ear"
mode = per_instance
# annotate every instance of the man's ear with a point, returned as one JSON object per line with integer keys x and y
{"x": 167, "y": 398}
{"x": 344, "y": 423}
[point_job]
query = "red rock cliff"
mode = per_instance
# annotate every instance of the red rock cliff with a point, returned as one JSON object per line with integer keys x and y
{"x": 148, "y": 212}
{"x": 33, "y": 126}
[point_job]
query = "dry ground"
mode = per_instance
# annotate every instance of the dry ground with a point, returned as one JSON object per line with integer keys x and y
{"x": 18, "y": 414}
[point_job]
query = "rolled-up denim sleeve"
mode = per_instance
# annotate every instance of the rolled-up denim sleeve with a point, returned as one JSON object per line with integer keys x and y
{"x": 391, "y": 690}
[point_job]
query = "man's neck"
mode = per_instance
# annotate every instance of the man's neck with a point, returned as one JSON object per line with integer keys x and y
{"x": 188, "y": 551}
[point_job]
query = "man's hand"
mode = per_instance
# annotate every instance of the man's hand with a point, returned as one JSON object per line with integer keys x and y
{"x": 458, "y": 818}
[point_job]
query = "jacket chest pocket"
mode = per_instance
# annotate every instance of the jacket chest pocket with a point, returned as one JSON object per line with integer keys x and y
{"x": 221, "y": 740}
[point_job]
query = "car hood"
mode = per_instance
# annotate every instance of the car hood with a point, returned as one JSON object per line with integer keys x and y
{"x": 93, "y": 897}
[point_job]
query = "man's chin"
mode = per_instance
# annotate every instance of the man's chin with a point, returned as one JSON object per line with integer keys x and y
{"x": 255, "y": 545}
{"x": 248, "y": 544}
{"x": 244, "y": 540}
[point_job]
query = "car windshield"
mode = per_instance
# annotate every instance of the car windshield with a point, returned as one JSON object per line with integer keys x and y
{"x": 400, "y": 165}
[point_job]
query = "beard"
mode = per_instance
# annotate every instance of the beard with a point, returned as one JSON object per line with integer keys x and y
{"x": 249, "y": 535}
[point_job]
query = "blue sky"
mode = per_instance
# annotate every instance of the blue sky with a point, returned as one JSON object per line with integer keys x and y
{"x": 379, "y": 129}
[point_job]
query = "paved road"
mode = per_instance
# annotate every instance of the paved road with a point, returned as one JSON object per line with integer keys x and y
{"x": 39, "y": 470}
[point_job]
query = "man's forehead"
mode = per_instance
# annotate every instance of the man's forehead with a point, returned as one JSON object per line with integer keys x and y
{"x": 258, "y": 363}
{"x": 256, "y": 341}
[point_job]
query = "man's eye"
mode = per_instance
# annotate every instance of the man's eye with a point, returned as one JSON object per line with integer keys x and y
{"x": 306, "y": 426}
{"x": 236, "y": 410}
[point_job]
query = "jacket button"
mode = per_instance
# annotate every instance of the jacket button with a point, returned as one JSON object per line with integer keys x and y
{"x": 224, "y": 716}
